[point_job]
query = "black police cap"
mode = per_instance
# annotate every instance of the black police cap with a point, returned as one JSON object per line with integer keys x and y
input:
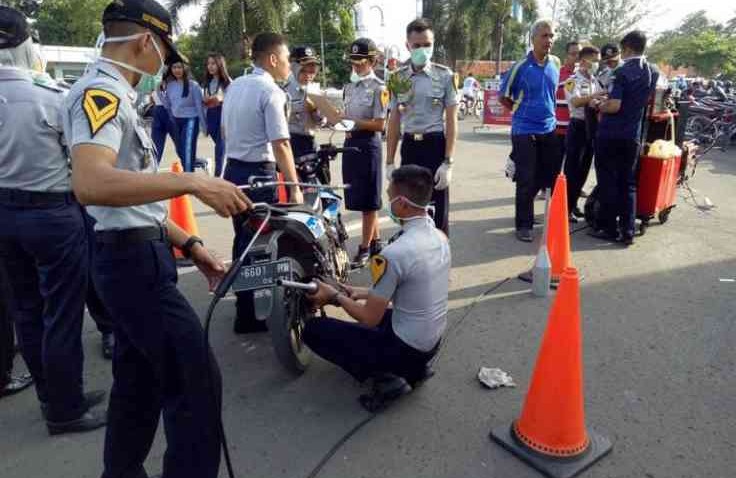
{"x": 149, "y": 14}
{"x": 14, "y": 28}
{"x": 362, "y": 48}
{"x": 303, "y": 55}
{"x": 609, "y": 51}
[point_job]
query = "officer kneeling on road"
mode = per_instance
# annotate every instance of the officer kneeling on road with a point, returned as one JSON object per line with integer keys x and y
{"x": 392, "y": 346}
{"x": 161, "y": 363}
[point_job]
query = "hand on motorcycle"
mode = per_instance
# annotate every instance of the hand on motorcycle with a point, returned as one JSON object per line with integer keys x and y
{"x": 212, "y": 267}
{"x": 324, "y": 295}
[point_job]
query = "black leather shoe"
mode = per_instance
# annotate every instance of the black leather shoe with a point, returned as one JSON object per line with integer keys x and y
{"x": 423, "y": 376}
{"x": 578, "y": 213}
{"x": 626, "y": 240}
{"x": 524, "y": 235}
{"x": 605, "y": 235}
{"x": 108, "y": 345}
{"x": 249, "y": 326}
{"x": 376, "y": 247}
{"x": 91, "y": 399}
{"x": 16, "y": 384}
{"x": 386, "y": 389}
{"x": 361, "y": 257}
{"x": 91, "y": 420}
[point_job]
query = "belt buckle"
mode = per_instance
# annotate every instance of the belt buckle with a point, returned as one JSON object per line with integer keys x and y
{"x": 418, "y": 137}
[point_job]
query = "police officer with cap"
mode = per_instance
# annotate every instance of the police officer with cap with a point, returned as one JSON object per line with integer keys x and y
{"x": 619, "y": 139}
{"x": 366, "y": 99}
{"x": 424, "y": 105}
{"x": 254, "y": 123}
{"x": 611, "y": 59}
{"x": 44, "y": 255}
{"x": 160, "y": 361}
{"x": 303, "y": 116}
{"x": 392, "y": 345}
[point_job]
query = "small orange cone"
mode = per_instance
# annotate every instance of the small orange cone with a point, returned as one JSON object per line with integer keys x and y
{"x": 550, "y": 434}
{"x": 281, "y": 189}
{"x": 558, "y": 237}
{"x": 181, "y": 213}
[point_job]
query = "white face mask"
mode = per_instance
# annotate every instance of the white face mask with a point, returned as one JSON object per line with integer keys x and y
{"x": 148, "y": 82}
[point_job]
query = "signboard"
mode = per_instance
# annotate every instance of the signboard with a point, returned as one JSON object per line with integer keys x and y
{"x": 494, "y": 112}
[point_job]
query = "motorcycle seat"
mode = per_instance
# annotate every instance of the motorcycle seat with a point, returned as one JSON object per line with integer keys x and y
{"x": 289, "y": 207}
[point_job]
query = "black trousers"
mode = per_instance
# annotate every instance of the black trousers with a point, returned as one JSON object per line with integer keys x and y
{"x": 578, "y": 160}
{"x": 538, "y": 161}
{"x": 366, "y": 352}
{"x": 160, "y": 365}
{"x": 430, "y": 153}
{"x": 616, "y": 163}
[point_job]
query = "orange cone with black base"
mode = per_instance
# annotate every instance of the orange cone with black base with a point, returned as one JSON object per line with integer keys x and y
{"x": 558, "y": 239}
{"x": 550, "y": 434}
{"x": 181, "y": 213}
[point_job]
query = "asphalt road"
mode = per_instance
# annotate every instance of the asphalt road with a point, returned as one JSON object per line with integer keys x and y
{"x": 659, "y": 334}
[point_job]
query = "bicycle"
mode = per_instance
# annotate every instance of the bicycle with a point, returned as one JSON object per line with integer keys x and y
{"x": 472, "y": 105}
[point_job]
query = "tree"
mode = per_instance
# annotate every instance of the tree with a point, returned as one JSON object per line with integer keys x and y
{"x": 596, "y": 21}
{"x": 70, "y": 22}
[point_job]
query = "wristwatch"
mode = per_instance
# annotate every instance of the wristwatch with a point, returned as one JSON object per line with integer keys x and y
{"x": 186, "y": 248}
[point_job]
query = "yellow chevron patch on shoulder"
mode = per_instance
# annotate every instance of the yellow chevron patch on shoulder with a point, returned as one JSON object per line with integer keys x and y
{"x": 379, "y": 265}
{"x": 385, "y": 97}
{"x": 100, "y": 107}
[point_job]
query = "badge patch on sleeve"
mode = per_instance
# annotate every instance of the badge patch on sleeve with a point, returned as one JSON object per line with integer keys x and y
{"x": 100, "y": 107}
{"x": 569, "y": 86}
{"x": 378, "y": 267}
{"x": 385, "y": 96}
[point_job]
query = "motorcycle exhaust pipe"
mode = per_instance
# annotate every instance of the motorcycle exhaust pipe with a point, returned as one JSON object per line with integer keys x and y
{"x": 309, "y": 287}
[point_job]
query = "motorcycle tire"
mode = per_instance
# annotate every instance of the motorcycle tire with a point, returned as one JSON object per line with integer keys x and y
{"x": 592, "y": 209}
{"x": 7, "y": 346}
{"x": 286, "y": 323}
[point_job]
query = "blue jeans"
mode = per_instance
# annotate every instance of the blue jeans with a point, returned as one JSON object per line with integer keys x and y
{"x": 214, "y": 117}
{"x": 45, "y": 260}
{"x": 187, "y": 133}
{"x": 159, "y": 365}
{"x": 163, "y": 125}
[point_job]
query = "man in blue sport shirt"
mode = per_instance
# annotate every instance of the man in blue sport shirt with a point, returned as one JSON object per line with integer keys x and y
{"x": 529, "y": 91}
{"x": 619, "y": 139}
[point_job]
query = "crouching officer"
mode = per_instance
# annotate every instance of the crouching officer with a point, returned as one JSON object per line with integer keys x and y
{"x": 43, "y": 243}
{"x": 303, "y": 115}
{"x": 366, "y": 100}
{"x": 392, "y": 345}
{"x": 424, "y": 104}
{"x": 160, "y": 361}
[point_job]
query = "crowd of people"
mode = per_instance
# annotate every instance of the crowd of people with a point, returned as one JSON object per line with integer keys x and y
{"x": 84, "y": 195}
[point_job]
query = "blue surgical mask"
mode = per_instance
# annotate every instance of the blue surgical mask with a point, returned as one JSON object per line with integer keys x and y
{"x": 148, "y": 82}
{"x": 354, "y": 77}
{"x": 421, "y": 56}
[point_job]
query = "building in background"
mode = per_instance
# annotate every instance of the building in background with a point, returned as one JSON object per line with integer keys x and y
{"x": 67, "y": 63}
{"x": 384, "y": 22}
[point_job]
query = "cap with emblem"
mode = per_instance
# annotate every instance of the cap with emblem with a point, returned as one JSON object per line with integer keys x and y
{"x": 303, "y": 55}
{"x": 362, "y": 48}
{"x": 149, "y": 14}
{"x": 609, "y": 51}
{"x": 14, "y": 28}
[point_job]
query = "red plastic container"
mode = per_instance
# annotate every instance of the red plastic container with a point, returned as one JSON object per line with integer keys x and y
{"x": 657, "y": 185}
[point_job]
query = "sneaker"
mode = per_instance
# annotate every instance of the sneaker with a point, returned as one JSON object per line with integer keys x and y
{"x": 376, "y": 247}
{"x": 604, "y": 235}
{"x": 386, "y": 388}
{"x": 361, "y": 257}
{"x": 91, "y": 420}
{"x": 524, "y": 235}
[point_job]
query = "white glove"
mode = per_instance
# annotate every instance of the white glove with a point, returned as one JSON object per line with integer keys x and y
{"x": 389, "y": 170}
{"x": 510, "y": 168}
{"x": 443, "y": 176}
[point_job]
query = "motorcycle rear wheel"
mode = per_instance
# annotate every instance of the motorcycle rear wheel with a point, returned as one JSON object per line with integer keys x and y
{"x": 286, "y": 323}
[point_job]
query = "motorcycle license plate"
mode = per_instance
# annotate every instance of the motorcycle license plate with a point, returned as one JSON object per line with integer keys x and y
{"x": 260, "y": 276}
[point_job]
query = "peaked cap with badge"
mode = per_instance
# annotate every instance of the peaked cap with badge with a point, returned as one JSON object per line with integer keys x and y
{"x": 14, "y": 28}
{"x": 304, "y": 55}
{"x": 363, "y": 48}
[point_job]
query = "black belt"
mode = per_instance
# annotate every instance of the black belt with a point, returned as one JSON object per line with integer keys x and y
{"x": 361, "y": 134}
{"x": 308, "y": 137}
{"x": 423, "y": 136}
{"x": 34, "y": 198}
{"x": 132, "y": 236}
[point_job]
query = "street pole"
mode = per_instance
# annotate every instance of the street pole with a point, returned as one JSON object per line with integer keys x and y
{"x": 322, "y": 50}
{"x": 243, "y": 31}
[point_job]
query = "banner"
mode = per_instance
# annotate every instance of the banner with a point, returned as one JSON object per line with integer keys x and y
{"x": 494, "y": 112}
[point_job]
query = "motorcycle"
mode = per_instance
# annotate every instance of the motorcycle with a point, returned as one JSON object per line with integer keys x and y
{"x": 294, "y": 243}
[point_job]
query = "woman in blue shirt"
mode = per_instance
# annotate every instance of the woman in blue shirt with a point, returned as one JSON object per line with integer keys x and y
{"x": 183, "y": 99}
{"x": 215, "y": 83}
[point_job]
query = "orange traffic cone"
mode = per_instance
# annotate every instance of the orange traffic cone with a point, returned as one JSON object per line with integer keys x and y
{"x": 551, "y": 435}
{"x": 558, "y": 236}
{"x": 181, "y": 213}
{"x": 281, "y": 190}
